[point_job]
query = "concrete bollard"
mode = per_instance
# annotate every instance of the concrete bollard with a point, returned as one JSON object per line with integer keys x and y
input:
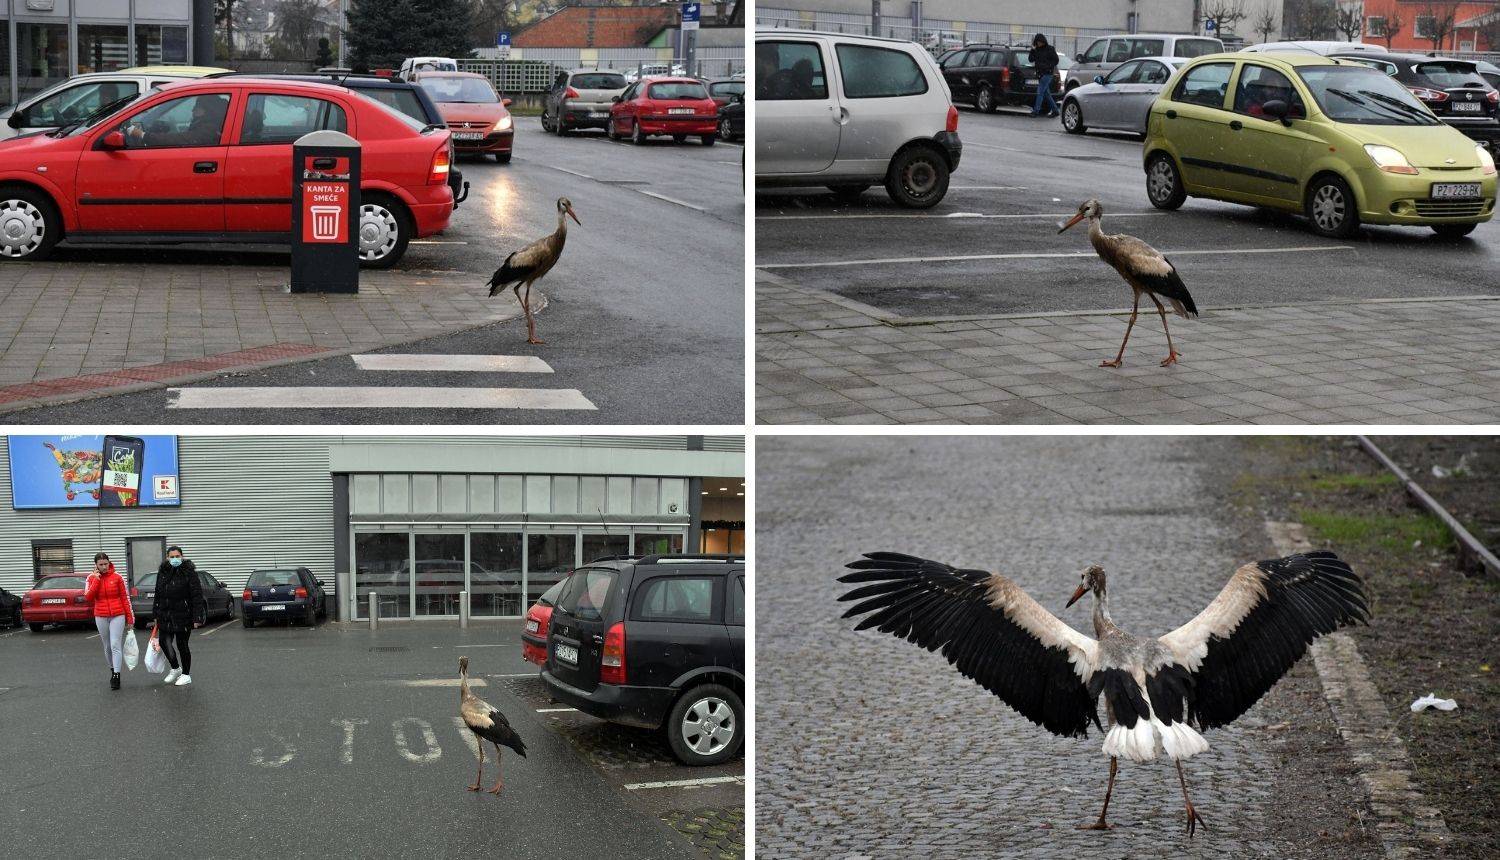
{"x": 463, "y": 610}
{"x": 374, "y": 611}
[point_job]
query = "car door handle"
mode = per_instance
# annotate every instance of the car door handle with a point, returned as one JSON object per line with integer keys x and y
{"x": 206, "y": 167}
{"x": 1236, "y": 125}
{"x": 841, "y": 116}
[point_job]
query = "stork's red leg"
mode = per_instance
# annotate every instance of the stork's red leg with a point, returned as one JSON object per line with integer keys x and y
{"x": 1134, "y": 309}
{"x": 1101, "y": 824}
{"x": 480, "y": 775}
{"x": 499, "y": 780}
{"x": 1172, "y": 353}
{"x": 1194, "y": 819}
{"x": 530, "y": 320}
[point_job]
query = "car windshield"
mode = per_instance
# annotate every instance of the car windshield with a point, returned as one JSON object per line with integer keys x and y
{"x": 98, "y": 116}
{"x": 599, "y": 82}
{"x": 1362, "y": 96}
{"x": 461, "y": 90}
{"x": 147, "y": 581}
{"x": 1451, "y": 74}
{"x": 682, "y": 90}
{"x": 272, "y": 578}
{"x": 61, "y": 582}
{"x": 728, "y": 88}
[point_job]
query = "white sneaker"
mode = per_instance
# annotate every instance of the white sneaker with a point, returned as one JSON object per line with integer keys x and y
{"x": 172, "y": 675}
{"x": 184, "y": 680}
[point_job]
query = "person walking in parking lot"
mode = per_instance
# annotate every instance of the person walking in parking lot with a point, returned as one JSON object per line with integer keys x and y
{"x": 106, "y": 590}
{"x": 178, "y": 608}
{"x": 1044, "y": 57}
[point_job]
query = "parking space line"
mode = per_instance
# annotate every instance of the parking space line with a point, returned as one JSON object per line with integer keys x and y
{"x": 439, "y": 682}
{"x": 686, "y": 783}
{"x": 554, "y": 710}
{"x": 671, "y": 200}
{"x": 566, "y": 170}
{"x": 467, "y": 363}
{"x": 220, "y": 627}
{"x": 519, "y": 675}
{"x": 470, "y": 739}
{"x": 506, "y": 645}
{"x": 92, "y": 636}
{"x": 1044, "y": 256}
{"x": 988, "y": 188}
{"x": 375, "y": 397}
{"x": 948, "y": 217}
{"x": 435, "y": 242}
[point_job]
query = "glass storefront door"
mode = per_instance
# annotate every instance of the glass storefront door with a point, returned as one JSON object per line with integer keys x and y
{"x": 495, "y": 581}
{"x": 382, "y": 566}
{"x": 596, "y": 546}
{"x": 653, "y": 543}
{"x": 549, "y": 557}
{"x": 440, "y": 572}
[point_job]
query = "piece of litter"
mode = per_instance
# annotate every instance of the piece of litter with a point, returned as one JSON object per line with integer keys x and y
{"x": 1432, "y": 701}
{"x": 964, "y": 215}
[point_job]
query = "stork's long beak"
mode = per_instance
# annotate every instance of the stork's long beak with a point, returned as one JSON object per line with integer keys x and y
{"x": 574, "y": 217}
{"x": 1082, "y": 589}
{"x": 1076, "y": 219}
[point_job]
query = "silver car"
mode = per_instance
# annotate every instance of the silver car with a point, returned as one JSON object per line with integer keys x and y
{"x": 847, "y": 112}
{"x": 1105, "y": 53}
{"x": 75, "y": 98}
{"x": 1121, "y": 100}
{"x": 581, "y": 99}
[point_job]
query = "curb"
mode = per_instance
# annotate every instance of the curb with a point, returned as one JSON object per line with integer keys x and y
{"x": 1407, "y": 824}
{"x": 539, "y": 304}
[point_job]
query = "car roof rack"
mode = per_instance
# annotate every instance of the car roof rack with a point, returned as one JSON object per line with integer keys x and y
{"x": 692, "y": 558}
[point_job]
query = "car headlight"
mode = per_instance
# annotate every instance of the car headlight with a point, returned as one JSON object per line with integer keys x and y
{"x": 503, "y": 124}
{"x": 1390, "y": 160}
{"x": 1486, "y": 161}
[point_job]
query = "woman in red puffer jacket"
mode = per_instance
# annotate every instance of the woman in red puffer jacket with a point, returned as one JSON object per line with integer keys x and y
{"x": 106, "y": 589}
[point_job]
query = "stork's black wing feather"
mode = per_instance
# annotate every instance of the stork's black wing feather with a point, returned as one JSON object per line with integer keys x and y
{"x": 1305, "y": 597}
{"x": 501, "y": 733}
{"x": 1169, "y": 285}
{"x": 508, "y": 274}
{"x": 941, "y": 607}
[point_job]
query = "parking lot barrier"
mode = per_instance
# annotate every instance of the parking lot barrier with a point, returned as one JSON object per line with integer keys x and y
{"x": 374, "y": 611}
{"x": 463, "y": 610}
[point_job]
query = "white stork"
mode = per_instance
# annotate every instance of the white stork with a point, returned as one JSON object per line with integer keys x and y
{"x": 1145, "y": 269}
{"x": 529, "y": 264}
{"x": 487, "y": 724}
{"x": 1207, "y": 672}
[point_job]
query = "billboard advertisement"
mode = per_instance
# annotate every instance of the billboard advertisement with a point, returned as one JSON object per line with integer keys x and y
{"x": 108, "y": 471}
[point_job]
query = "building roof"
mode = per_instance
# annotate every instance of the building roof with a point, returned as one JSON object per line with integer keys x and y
{"x": 597, "y": 27}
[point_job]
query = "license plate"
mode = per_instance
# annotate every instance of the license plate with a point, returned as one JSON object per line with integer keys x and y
{"x": 272, "y": 608}
{"x": 531, "y": 627}
{"x": 1467, "y": 107}
{"x": 598, "y": 113}
{"x": 566, "y": 653}
{"x": 1454, "y": 190}
{"x": 54, "y": 600}
{"x": 679, "y": 110}
{"x": 469, "y": 135}
{"x": 147, "y": 593}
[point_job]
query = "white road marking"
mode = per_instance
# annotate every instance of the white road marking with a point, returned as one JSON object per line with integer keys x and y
{"x": 684, "y": 783}
{"x": 474, "y": 363}
{"x": 1042, "y": 256}
{"x": 949, "y": 216}
{"x": 435, "y": 242}
{"x": 92, "y": 636}
{"x": 566, "y": 170}
{"x": 441, "y": 682}
{"x": 431, "y": 751}
{"x": 470, "y": 739}
{"x": 506, "y": 645}
{"x": 986, "y": 188}
{"x": 220, "y": 627}
{"x": 671, "y": 200}
{"x": 289, "y": 752}
{"x": 346, "y": 753}
{"x": 519, "y": 675}
{"x": 554, "y": 710}
{"x": 374, "y": 397}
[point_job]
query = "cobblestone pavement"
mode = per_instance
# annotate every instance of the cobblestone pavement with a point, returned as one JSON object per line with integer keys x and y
{"x": 719, "y": 833}
{"x": 824, "y": 358}
{"x": 868, "y": 746}
{"x": 70, "y": 320}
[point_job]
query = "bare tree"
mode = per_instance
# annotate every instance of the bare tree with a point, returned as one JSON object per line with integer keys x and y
{"x": 299, "y": 23}
{"x": 1392, "y": 26}
{"x": 1440, "y": 19}
{"x": 1226, "y": 14}
{"x": 1308, "y": 19}
{"x": 1349, "y": 20}
{"x": 1488, "y": 35}
{"x": 1265, "y": 25}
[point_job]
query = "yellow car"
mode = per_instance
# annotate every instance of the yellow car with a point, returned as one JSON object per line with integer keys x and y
{"x": 1338, "y": 141}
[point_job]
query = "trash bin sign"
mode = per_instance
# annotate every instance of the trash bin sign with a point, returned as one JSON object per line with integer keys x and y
{"x": 325, "y": 213}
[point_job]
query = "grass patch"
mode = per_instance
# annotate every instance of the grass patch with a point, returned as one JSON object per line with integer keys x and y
{"x": 1335, "y": 483}
{"x": 1385, "y": 531}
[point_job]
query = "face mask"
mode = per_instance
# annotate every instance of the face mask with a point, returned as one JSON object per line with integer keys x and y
{"x": 175, "y": 562}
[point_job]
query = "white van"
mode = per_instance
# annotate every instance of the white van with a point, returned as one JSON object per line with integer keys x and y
{"x": 1105, "y": 53}
{"x": 411, "y": 65}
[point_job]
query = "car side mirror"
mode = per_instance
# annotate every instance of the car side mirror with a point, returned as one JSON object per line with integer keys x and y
{"x": 1098, "y": 79}
{"x": 505, "y": 102}
{"x": 615, "y": 99}
{"x": 113, "y": 140}
{"x": 1078, "y": 57}
{"x": 17, "y": 119}
{"x": 1277, "y": 109}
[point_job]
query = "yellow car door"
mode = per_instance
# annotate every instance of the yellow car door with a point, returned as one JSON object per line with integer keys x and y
{"x": 1269, "y": 138}
{"x": 1196, "y": 122}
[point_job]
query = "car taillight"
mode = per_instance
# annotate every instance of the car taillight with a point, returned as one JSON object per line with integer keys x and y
{"x": 439, "y": 173}
{"x": 1493, "y": 97}
{"x": 301, "y": 592}
{"x": 1427, "y": 95}
{"x": 247, "y": 595}
{"x": 612, "y": 665}
{"x": 135, "y": 592}
{"x": 952, "y": 118}
{"x": 570, "y": 94}
{"x": 1004, "y": 78}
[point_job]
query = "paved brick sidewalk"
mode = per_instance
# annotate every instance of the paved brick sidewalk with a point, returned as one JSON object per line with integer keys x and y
{"x": 821, "y": 358}
{"x": 70, "y": 329}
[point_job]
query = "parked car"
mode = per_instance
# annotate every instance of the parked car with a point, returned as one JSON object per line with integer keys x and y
{"x": 726, "y": 90}
{"x": 847, "y": 112}
{"x": 10, "y": 608}
{"x": 474, "y": 112}
{"x": 1454, "y": 90}
{"x": 580, "y": 99}
{"x": 655, "y": 70}
{"x": 210, "y": 161}
{"x": 1338, "y": 141}
{"x": 283, "y": 594}
{"x": 664, "y": 106}
{"x": 1120, "y": 100}
{"x": 57, "y": 599}
{"x": 1489, "y": 71}
{"x": 538, "y": 622}
{"x": 732, "y": 120}
{"x": 412, "y": 66}
{"x": 75, "y": 98}
{"x": 988, "y": 76}
{"x": 656, "y": 642}
{"x": 216, "y": 595}
{"x": 1104, "y": 54}
{"x": 403, "y": 96}
{"x": 1312, "y": 46}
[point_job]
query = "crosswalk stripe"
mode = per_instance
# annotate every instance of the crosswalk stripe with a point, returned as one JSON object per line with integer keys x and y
{"x": 376, "y": 397}
{"x": 491, "y": 363}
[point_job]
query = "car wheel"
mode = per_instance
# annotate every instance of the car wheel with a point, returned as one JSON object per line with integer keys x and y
{"x": 918, "y": 178}
{"x": 707, "y": 139}
{"x": 245, "y": 620}
{"x": 848, "y": 193}
{"x": 37, "y": 628}
{"x": 502, "y": 158}
{"x": 545, "y": 126}
{"x": 636, "y": 137}
{"x": 1453, "y": 231}
{"x": 1331, "y": 208}
{"x": 725, "y": 131}
{"x": 984, "y": 100}
{"x": 384, "y": 231}
{"x": 29, "y": 224}
{"x": 1164, "y": 183}
{"x": 562, "y": 130}
{"x": 679, "y": 138}
{"x": 707, "y": 725}
{"x": 609, "y": 130}
{"x": 1072, "y": 118}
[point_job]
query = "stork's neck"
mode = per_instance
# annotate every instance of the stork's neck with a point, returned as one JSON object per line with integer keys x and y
{"x": 1096, "y": 227}
{"x": 463, "y": 686}
{"x": 562, "y": 224}
{"x": 1103, "y": 624}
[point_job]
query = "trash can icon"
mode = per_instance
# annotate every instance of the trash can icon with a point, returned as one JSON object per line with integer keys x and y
{"x": 326, "y": 222}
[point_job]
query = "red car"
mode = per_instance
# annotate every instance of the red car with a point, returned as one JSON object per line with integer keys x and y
{"x": 57, "y": 599}
{"x": 676, "y": 106}
{"x": 538, "y": 619}
{"x": 474, "y": 112}
{"x": 210, "y": 161}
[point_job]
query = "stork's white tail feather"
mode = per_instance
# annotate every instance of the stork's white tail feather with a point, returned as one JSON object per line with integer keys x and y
{"x": 1137, "y": 744}
{"x": 1140, "y": 744}
{"x": 1179, "y": 740}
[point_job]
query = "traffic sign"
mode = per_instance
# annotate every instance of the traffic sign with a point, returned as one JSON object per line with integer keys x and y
{"x": 690, "y": 15}
{"x": 1210, "y": 25}
{"x": 502, "y": 41}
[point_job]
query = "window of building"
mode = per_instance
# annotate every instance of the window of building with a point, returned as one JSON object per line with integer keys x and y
{"x": 723, "y": 536}
{"x": 157, "y": 45}
{"x": 41, "y": 56}
{"x": 1375, "y": 26}
{"x": 103, "y": 48}
{"x": 549, "y": 557}
{"x": 658, "y": 544}
{"x": 596, "y": 546}
{"x": 1423, "y": 26}
{"x": 51, "y": 556}
{"x": 5, "y": 79}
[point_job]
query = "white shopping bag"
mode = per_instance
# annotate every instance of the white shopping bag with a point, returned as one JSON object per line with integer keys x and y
{"x": 132, "y": 650}
{"x": 156, "y": 661}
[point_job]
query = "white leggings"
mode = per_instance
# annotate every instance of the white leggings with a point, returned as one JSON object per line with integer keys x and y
{"x": 112, "y": 635}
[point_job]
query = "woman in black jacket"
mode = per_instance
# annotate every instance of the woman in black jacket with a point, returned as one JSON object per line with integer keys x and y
{"x": 178, "y": 608}
{"x": 1044, "y": 57}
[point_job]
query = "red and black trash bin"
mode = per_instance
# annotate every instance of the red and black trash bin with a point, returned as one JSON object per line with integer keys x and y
{"x": 325, "y": 213}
